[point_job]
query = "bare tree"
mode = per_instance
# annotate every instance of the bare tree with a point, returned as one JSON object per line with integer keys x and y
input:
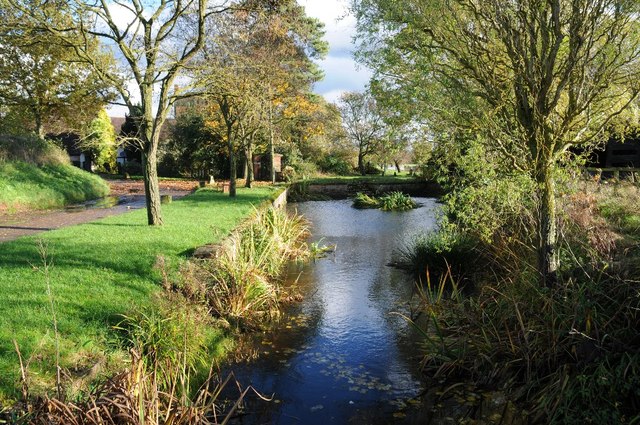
{"x": 545, "y": 74}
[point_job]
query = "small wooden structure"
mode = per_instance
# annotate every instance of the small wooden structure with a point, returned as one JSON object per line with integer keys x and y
{"x": 262, "y": 166}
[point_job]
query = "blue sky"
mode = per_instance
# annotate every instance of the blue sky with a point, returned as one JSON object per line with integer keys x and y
{"x": 341, "y": 72}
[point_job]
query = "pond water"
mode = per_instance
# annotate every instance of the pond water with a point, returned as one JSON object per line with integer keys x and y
{"x": 343, "y": 355}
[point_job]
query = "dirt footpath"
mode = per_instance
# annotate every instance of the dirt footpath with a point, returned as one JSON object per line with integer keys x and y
{"x": 125, "y": 195}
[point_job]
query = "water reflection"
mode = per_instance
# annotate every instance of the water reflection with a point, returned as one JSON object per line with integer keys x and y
{"x": 340, "y": 356}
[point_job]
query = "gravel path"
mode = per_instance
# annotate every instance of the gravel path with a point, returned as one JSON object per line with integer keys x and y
{"x": 126, "y": 195}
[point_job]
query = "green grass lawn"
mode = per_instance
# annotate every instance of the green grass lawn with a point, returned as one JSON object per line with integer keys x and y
{"x": 28, "y": 186}
{"x": 99, "y": 271}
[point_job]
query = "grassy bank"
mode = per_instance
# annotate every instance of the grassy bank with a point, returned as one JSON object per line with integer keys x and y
{"x": 98, "y": 272}
{"x": 25, "y": 186}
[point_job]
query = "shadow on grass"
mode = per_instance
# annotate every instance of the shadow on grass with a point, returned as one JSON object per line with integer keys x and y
{"x": 25, "y": 228}
{"x": 98, "y": 223}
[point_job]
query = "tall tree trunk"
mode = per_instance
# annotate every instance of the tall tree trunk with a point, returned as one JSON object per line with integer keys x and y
{"x": 548, "y": 260}
{"x": 39, "y": 126}
{"x": 245, "y": 166}
{"x": 249, "y": 175}
{"x": 151, "y": 187}
{"x": 150, "y": 138}
{"x": 361, "y": 166}
{"x": 397, "y": 164}
{"x": 272, "y": 159}
{"x": 232, "y": 163}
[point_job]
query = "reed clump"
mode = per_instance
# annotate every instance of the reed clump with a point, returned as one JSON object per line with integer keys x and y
{"x": 241, "y": 284}
{"x": 393, "y": 201}
{"x": 438, "y": 254}
{"x": 133, "y": 397}
{"x": 567, "y": 354}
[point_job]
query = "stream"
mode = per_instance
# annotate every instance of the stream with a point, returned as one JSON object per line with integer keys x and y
{"x": 343, "y": 355}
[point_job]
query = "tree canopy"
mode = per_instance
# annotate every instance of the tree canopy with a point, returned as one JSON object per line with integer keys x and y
{"x": 44, "y": 86}
{"x": 531, "y": 77}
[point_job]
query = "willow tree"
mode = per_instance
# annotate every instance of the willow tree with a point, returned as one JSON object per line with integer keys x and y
{"x": 154, "y": 41}
{"x": 545, "y": 74}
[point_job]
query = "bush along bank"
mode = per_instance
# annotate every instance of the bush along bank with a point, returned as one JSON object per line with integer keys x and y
{"x": 564, "y": 354}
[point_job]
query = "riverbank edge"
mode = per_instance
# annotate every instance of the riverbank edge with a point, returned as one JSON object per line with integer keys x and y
{"x": 165, "y": 297}
{"x": 310, "y": 190}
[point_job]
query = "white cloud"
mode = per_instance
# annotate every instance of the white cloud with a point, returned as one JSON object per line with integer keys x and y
{"x": 341, "y": 72}
{"x": 333, "y": 96}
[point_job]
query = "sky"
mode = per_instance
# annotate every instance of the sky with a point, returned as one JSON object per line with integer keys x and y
{"x": 342, "y": 74}
{"x": 341, "y": 71}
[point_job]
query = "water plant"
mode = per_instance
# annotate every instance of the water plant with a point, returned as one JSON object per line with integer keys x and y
{"x": 394, "y": 201}
{"x": 397, "y": 201}
{"x": 364, "y": 201}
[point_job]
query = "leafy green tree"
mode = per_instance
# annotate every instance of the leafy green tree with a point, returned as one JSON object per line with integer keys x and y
{"x": 155, "y": 42}
{"x": 532, "y": 77}
{"x": 100, "y": 139}
{"x": 44, "y": 86}
{"x": 363, "y": 124}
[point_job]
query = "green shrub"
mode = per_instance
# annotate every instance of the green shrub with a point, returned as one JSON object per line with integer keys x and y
{"x": 31, "y": 150}
{"x": 336, "y": 165}
{"x": 133, "y": 168}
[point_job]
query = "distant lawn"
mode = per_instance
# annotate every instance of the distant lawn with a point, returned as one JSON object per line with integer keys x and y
{"x": 374, "y": 179}
{"x": 28, "y": 186}
{"x": 100, "y": 270}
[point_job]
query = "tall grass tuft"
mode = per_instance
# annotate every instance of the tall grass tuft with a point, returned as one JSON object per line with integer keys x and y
{"x": 440, "y": 253}
{"x": 241, "y": 283}
{"x": 566, "y": 355}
